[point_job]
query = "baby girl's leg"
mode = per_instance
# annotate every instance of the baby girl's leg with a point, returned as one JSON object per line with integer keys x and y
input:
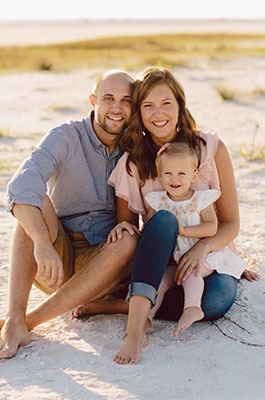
{"x": 167, "y": 283}
{"x": 193, "y": 290}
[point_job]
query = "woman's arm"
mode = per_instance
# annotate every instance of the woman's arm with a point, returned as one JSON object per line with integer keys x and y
{"x": 208, "y": 226}
{"x": 227, "y": 204}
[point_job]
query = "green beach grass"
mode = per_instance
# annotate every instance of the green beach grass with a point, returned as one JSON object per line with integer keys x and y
{"x": 130, "y": 52}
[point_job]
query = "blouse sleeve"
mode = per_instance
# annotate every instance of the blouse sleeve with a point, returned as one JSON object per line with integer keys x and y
{"x": 128, "y": 187}
{"x": 152, "y": 199}
{"x": 207, "y": 197}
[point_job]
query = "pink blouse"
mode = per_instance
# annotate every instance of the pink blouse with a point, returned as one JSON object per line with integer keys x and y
{"x": 129, "y": 188}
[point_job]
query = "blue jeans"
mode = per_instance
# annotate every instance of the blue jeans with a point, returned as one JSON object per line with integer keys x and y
{"x": 151, "y": 259}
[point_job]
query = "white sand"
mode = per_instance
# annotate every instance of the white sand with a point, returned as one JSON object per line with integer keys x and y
{"x": 71, "y": 359}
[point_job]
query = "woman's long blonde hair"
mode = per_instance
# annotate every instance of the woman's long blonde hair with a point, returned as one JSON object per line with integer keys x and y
{"x": 137, "y": 141}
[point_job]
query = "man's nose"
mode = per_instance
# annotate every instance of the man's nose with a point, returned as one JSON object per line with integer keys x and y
{"x": 116, "y": 105}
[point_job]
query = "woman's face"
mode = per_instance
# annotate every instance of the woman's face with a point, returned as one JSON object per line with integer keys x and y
{"x": 160, "y": 112}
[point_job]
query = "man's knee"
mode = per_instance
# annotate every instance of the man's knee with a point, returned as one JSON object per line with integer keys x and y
{"x": 124, "y": 247}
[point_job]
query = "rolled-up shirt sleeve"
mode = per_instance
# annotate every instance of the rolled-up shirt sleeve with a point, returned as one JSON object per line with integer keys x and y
{"x": 29, "y": 183}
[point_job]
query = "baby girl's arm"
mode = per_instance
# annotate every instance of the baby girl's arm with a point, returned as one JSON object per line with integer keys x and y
{"x": 207, "y": 228}
{"x": 151, "y": 212}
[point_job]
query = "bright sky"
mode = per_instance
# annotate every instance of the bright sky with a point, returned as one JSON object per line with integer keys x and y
{"x": 72, "y": 9}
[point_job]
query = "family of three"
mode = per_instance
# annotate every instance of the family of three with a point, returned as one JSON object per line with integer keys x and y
{"x": 77, "y": 200}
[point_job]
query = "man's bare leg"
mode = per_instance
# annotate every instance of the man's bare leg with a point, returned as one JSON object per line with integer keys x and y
{"x": 93, "y": 281}
{"x": 104, "y": 306}
{"x": 23, "y": 268}
{"x": 131, "y": 351}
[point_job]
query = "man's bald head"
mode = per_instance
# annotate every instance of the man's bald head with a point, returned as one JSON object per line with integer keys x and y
{"x": 112, "y": 74}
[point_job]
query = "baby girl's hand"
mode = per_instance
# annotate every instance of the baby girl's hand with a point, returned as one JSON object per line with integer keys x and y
{"x": 181, "y": 228}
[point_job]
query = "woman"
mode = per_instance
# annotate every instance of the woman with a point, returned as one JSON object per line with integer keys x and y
{"x": 159, "y": 116}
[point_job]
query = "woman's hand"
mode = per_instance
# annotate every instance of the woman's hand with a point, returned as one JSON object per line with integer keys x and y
{"x": 193, "y": 259}
{"x": 250, "y": 276}
{"x": 116, "y": 233}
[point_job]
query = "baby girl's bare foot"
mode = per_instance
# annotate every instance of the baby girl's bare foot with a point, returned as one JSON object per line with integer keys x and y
{"x": 131, "y": 350}
{"x": 190, "y": 315}
{"x": 14, "y": 334}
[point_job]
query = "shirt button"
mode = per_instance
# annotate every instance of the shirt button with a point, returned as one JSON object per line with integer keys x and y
{"x": 89, "y": 218}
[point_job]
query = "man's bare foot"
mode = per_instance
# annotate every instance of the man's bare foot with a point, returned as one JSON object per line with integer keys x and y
{"x": 190, "y": 315}
{"x": 14, "y": 334}
{"x": 131, "y": 350}
{"x": 108, "y": 306}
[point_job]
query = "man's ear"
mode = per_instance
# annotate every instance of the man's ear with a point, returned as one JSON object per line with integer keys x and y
{"x": 195, "y": 175}
{"x": 92, "y": 100}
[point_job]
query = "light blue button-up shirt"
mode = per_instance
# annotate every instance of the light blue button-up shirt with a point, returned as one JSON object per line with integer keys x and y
{"x": 72, "y": 166}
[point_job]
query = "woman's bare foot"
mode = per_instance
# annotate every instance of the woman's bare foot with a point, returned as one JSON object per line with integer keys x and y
{"x": 148, "y": 327}
{"x": 190, "y": 315}
{"x": 108, "y": 306}
{"x": 131, "y": 350}
{"x": 14, "y": 334}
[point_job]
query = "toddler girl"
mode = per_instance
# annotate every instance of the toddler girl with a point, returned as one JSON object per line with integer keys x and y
{"x": 177, "y": 166}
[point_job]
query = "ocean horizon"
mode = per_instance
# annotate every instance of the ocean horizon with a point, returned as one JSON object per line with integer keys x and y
{"x": 34, "y": 32}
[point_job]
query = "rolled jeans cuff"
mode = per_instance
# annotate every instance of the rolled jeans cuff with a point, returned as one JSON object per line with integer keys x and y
{"x": 142, "y": 289}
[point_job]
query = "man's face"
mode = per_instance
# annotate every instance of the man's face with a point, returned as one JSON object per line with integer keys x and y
{"x": 113, "y": 104}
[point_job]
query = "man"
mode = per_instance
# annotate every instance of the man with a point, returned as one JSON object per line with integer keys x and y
{"x": 66, "y": 177}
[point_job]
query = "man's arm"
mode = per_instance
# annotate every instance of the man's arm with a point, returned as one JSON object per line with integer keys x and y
{"x": 49, "y": 264}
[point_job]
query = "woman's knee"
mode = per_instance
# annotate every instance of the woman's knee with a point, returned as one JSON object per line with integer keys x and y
{"x": 219, "y": 295}
{"x": 163, "y": 224}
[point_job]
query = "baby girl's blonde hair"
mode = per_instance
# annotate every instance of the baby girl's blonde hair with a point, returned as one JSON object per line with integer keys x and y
{"x": 176, "y": 149}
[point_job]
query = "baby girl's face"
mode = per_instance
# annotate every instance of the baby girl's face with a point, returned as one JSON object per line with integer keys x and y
{"x": 177, "y": 173}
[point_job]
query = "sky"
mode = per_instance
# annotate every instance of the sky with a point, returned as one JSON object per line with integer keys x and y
{"x": 122, "y": 9}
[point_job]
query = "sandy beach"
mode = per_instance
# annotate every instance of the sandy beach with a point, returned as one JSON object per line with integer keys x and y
{"x": 70, "y": 359}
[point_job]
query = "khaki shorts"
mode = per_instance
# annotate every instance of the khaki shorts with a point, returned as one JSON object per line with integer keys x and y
{"x": 75, "y": 251}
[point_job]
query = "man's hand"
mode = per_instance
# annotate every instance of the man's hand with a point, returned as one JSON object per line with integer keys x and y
{"x": 49, "y": 264}
{"x": 116, "y": 233}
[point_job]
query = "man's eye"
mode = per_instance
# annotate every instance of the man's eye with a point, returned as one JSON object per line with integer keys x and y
{"x": 127, "y": 101}
{"x": 108, "y": 99}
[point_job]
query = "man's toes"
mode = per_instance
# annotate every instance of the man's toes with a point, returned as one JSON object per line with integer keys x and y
{"x": 7, "y": 353}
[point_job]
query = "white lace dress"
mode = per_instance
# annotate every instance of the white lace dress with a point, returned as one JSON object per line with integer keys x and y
{"x": 188, "y": 211}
